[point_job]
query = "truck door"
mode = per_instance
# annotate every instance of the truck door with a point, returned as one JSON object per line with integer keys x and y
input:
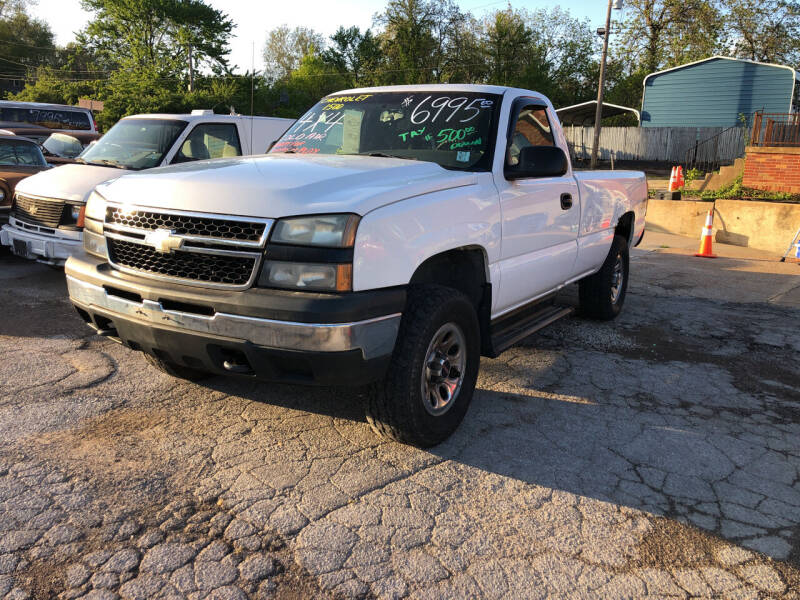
{"x": 540, "y": 216}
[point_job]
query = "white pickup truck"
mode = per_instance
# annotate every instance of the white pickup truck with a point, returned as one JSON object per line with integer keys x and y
{"x": 391, "y": 237}
{"x": 46, "y": 220}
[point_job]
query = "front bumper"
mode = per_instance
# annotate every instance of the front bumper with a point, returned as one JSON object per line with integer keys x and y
{"x": 40, "y": 246}
{"x": 169, "y": 325}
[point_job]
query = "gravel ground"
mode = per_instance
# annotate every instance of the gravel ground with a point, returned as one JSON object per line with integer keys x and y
{"x": 656, "y": 456}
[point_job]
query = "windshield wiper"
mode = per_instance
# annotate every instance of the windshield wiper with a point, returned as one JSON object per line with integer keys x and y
{"x": 108, "y": 163}
{"x": 384, "y": 155}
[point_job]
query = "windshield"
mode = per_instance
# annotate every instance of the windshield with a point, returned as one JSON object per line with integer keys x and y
{"x": 451, "y": 129}
{"x": 135, "y": 143}
{"x": 13, "y": 152}
{"x": 61, "y": 144}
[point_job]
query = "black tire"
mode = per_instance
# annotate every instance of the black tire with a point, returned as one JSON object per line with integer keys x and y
{"x": 597, "y": 292}
{"x": 396, "y": 406}
{"x": 175, "y": 370}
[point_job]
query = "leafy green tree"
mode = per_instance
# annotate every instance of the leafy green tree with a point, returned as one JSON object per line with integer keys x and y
{"x": 50, "y": 85}
{"x": 285, "y": 49}
{"x": 155, "y": 36}
{"x": 766, "y": 31}
{"x": 356, "y": 55}
{"x": 25, "y": 42}
{"x": 419, "y": 38}
{"x": 655, "y": 34}
{"x": 508, "y": 42}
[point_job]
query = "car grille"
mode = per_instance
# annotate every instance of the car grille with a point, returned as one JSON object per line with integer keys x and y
{"x": 191, "y": 225}
{"x": 213, "y": 251}
{"x": 38, "y": 210}
{"x": 207, "y": 268}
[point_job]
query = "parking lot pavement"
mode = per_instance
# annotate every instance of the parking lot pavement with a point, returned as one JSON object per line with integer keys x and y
{"x": 655, "y": 456}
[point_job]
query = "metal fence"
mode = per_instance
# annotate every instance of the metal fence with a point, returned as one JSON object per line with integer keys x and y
{"x": 776, "y": 129}
{"x": 713, "y": 145}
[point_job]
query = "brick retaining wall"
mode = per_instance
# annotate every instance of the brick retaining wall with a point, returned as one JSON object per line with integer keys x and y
{"x": 772, "y": 169}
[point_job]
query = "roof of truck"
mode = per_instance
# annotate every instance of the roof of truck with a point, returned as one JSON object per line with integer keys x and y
{"x": 18, "y": 104}
{"x": 198, "y": 117}
{"x": 439, "y": 87}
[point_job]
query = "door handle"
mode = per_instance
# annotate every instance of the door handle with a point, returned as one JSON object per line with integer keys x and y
{"x": 566, "y": 201}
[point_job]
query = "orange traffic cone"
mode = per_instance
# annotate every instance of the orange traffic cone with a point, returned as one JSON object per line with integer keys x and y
{"x": 705, "y": 237}
{"x": 673, "y": 179}
{"x": 679, "y": 176}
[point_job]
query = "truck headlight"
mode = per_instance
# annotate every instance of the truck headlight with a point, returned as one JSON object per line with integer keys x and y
{"x": 332, "y": 231}
{"x": 95, "y": 213}
{"x": 306, "y": 276}
{"x": 96, "y": 207}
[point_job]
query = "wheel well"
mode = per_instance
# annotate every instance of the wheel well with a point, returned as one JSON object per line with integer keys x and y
{"x": 625, "y": 226}
{"x": 463, "y": 269}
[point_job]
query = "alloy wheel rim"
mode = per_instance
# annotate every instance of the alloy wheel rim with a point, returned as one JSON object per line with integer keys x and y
{"x": 617, "y": 279}
{"x": 443, "y": 369}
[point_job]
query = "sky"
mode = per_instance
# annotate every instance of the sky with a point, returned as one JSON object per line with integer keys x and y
{"x": 254, "y": 18}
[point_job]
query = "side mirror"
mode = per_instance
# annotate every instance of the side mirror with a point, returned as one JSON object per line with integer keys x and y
{"x": 538, "y": 161}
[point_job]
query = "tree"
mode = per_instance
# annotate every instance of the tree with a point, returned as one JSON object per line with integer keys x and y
{"x": 419, "y": 38}
{"x": 356, "y": 55}
{"x": 285, "y": 49}
{"x": 566, "y": 66}
{"x": 25, "y": 43}
{"x": 661, "y": 33}
{"x": 155, "y": 36}
{"x": 766, "y": 31}
{"x": 508, "y": 41}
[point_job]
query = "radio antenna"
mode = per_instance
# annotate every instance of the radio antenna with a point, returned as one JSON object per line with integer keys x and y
{"x": 252, "y": 93}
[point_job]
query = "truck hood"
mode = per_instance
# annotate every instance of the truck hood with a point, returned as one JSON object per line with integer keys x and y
{"x": 280, "y": 185}
{"x": 68, "y": 182}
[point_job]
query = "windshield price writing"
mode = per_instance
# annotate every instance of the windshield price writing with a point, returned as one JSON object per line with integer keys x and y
{"x": 461, "y": 104}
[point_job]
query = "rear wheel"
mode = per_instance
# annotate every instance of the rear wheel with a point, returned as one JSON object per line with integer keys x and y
{"x": 431, "y": 378}
{"x": 175, "y": 370}
{"x": 603, "y": 294}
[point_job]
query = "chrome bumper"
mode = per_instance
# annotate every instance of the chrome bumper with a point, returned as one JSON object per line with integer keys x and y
{"x": 374, "y": 337}
{"x": 44, "y": 247}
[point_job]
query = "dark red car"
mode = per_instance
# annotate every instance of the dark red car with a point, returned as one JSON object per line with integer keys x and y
{"x": 19, "y": 158}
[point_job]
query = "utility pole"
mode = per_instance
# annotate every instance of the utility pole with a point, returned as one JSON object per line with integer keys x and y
{"x": 599, "y": 113}
{"x": 191, "y": 70}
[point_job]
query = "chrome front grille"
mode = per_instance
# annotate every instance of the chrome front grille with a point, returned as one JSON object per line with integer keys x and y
{"x": 205, "y": 250}
{"x": 186, "y": 224}
{"x": 39, "y": 211}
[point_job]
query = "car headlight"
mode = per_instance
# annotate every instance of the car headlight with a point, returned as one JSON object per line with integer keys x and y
{"x": 332, "y": 231}
{"x": 95, "y": 213}
{"x": 307, "y": 276}
{"x": 96, "y": 207}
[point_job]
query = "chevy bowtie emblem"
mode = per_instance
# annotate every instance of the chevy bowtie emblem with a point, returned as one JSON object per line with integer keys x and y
{"x": 163, "y": 241}
{"x": 33, "y": 209}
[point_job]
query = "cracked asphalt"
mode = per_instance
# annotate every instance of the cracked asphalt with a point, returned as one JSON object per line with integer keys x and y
{"x": 657, "y": 456}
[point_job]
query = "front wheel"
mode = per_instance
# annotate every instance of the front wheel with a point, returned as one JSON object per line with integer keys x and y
{"x": 433, "y": 371}
{"x": 603, "y": 294}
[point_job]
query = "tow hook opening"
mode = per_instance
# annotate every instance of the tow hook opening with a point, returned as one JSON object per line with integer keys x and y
{"x": 235, "y": 361}
{"x": 105, "y": 326}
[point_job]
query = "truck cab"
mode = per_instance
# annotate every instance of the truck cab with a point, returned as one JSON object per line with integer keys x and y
{"x": 391, "y": 237}
{"x": 46, "y": 217}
